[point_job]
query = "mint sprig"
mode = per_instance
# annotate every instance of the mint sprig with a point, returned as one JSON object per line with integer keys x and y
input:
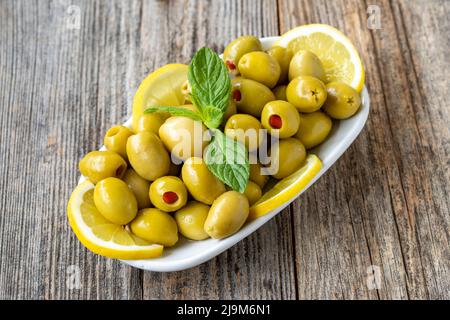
{"x": 208, "y": 77}
{"x": 175, "y": 111}
{"x": 209, "y": 80}
{"x": 210, "y": 86}
{"x": 227, "y": 159}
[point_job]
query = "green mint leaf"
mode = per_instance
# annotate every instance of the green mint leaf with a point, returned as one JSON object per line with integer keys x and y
{"x": 210, "y": 83}
{"x": 175, "y": 111}
{"x": 212, "y": 117}
{"x": 227, "y": 159}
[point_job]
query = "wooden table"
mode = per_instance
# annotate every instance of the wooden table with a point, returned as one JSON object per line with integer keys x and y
{"x": 376, "y": 226}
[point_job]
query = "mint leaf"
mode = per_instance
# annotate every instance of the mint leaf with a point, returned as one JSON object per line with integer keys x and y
{"x": 175, "y": 111}
{"x": 212, "y": 117}
{"x": 210, "y": 83}
{"x": 227, "y": 159}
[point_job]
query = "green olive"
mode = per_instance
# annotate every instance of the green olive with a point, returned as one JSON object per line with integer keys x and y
{"x": 306, "y": 63}
{"x": 245, "y": 129}
{"x": 115, "y": 201}
{"x": 147, "y": 155}
{"x": 306, "y": 93}
{"x": 168, "y": 193}
{"x": 155, "y": 226}
{"x": 250, "y": 96}
{"x": 343, "y": 101}
{"x": 280, "y": 93}
{"x": 253, "y": 192}
{"x": 98, "y": 165}
{"x": 283, "y": 57}
{"x": 288, "y": 155}
{"x": 257, "y": 176}
{"x": 227, "y": 215}
{"x": 261, "y": 67}
{"x": 183, "y": 137}
{"x": 280, "y": 118}
{"x": 314, "y": 128}
{"x": 116, "y": 140}
{"x": 150, "y": 122}
{"x": 200, "y": 182}
{"x": 231, "y": 110}
{"x": 191, "y": 219}
{"x": 139, "y": 186}
{"x": 237, "y": 48}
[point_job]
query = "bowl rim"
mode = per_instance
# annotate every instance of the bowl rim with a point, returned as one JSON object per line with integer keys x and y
{"x": 161, "y": 265}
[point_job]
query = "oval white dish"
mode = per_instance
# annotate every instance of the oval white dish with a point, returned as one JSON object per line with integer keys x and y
{"x": 187, "y": 254}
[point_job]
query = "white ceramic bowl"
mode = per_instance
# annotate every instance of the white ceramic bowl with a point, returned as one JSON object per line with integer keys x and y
{"x": 187, "y": 254}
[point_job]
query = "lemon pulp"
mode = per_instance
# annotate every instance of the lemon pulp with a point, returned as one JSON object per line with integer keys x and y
{"x": 339, "y": 57}
{"x": 160, "y": 88}
{"x": 102, "y": 236}
{"x": 287, "y": 188}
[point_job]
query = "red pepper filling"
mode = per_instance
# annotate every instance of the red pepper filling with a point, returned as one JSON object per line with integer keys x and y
{"x": 230, "y": 65}
{"x": 170, "y": 197}
{"x": 237, "y": 95}
{"x": 275, "y": 121}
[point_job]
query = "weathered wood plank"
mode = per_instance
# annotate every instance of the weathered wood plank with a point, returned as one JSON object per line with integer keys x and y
{"x": 385, "y": 203}
{"x": 262, "y": 265}
{"x": 424, "y": 46}
{"x": 64, "y": 86}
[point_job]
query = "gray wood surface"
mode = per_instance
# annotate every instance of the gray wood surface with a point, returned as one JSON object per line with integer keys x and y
{"x": 384, "y": 204}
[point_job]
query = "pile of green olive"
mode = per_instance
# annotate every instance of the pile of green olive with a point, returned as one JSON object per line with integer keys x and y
{"x": 139, "y": 186}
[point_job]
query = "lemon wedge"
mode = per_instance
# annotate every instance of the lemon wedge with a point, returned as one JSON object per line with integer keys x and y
{"x": 287, "y": 189}
{"x": 339, "y": 57}
{"x": 162, "y": 88}
{"x": 100, "y": 235}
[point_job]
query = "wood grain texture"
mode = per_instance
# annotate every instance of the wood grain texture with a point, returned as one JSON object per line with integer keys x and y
{"x": 385, "y": 202}
{"x": 262, "y": 265}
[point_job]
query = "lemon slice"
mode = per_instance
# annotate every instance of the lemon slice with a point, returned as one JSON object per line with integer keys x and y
{"x": 339, "y": 57}
{"x": 287, "y": 189}
{"x": 162, "y": 87}
{"x": 101, "y": 236}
